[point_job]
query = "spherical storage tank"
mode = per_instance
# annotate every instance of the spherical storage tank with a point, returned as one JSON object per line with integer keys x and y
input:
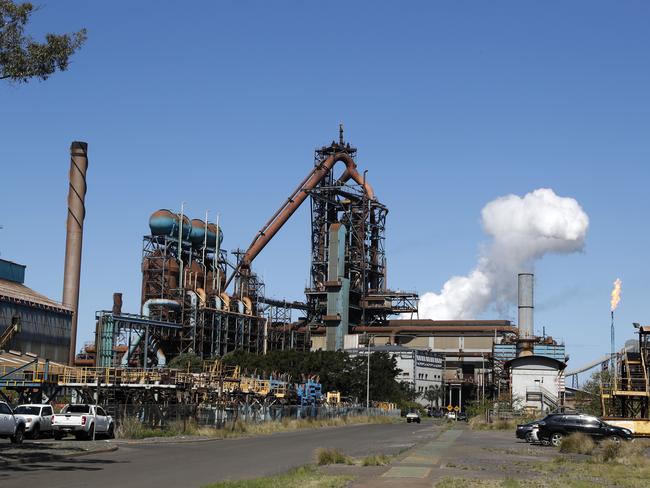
{"x": 164, "y": 222}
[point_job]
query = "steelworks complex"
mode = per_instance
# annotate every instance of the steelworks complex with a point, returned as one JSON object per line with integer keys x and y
{"x": 198, "y": 297}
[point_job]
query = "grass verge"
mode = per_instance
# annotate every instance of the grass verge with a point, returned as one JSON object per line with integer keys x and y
{"x": 306, "y": 476}
{"x": 577, "y": 443}
{"x": 479, "y": 423}
{"x": 332, "y": 456}
{"x": 131, "y": 428}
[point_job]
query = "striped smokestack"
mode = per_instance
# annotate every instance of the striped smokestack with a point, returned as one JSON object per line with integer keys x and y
{"x": 74, "y": 236}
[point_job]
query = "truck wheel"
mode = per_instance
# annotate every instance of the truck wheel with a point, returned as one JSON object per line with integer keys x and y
{"x": 91, "y": 432}
{"x": 36, "y": 431}
{"x": 111, "y": 431}
{"x": 18, "y": 437}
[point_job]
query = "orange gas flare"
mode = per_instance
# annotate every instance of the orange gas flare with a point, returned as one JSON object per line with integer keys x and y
{"x": 616, "y": 294}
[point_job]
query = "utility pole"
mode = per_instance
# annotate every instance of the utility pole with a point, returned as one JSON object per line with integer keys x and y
{"x": 368, "y": 378}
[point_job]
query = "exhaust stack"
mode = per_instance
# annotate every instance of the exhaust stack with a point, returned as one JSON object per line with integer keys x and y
{"x": 526, "y": 313}
{"x": 74, "y": 236}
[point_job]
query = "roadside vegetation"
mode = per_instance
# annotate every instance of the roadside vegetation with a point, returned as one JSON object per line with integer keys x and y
{"x": 132, "y": 428}
{"x": 325, "y": 457}
{"x": 306, "y": 476}
{"x": 479, "y": 423}
{"x": 581, "y": 464}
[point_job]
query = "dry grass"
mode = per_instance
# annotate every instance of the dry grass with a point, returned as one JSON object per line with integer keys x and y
{"x": 332, "y": 456}
{"x": 376, "y": 460}
{"x": 132, "y": 428}
{"x": 626, "y": 464}
{"x": 577, "y": 443}
{"x": 307, "y": 476}
{"x": 479, "y": 423}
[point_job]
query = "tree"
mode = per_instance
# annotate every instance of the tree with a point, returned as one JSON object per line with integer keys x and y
{"x": 588, "y": 397}
{"x": 433, "y": 395}
{"x": 188, "y": 362}
{"x": 22, "y": 58}
{"x": 336, "y": 371}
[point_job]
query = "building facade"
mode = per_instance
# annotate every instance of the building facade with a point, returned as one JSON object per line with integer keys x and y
{"x": 29, "y": 321}
{"x": 536, "y": 382}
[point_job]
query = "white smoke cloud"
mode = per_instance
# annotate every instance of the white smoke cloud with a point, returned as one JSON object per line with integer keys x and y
{"x": 522, "y": 229}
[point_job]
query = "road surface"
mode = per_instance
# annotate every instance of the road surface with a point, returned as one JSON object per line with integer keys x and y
{"x": 198, "y": 463}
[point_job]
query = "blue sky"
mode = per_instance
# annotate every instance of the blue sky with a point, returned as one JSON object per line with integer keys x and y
{"x": 451, "y": 104}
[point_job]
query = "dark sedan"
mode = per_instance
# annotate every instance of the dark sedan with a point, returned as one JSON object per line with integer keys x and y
{"x": 557, "y": 426}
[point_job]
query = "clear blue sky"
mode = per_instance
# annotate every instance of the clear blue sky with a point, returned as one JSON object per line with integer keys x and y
{"x": 451, "y": 104}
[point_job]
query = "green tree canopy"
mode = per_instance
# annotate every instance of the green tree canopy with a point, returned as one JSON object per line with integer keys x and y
{"x": 188, "y": 362}
{"x": 22, "y": 58}
{"x": 336, "y": 371}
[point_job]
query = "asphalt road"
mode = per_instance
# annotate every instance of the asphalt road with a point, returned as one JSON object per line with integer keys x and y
{"x": 199, "y": 463}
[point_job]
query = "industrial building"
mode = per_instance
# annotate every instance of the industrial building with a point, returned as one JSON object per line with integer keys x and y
{"x": 31, "y": 322}
{"x": 198, "y": 297}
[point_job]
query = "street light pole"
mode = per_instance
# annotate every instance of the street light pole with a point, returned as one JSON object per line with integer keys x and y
{"x": 483, "y": 376}
{"x": 368, "y": 379}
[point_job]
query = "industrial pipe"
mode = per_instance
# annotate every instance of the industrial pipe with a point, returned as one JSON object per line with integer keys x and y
{"x": 146, "y": 311}
{"x": 194, "y": 302}
{"x": 74, "y": 237}
{"x": 282, "y": 215}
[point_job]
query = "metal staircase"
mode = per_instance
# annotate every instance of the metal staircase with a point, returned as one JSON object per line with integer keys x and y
{"x": 10, "y": 332}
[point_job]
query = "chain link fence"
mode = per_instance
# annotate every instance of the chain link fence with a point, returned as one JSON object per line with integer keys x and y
{"x": 218, "y": 416}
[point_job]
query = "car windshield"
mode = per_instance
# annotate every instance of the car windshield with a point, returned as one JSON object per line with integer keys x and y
{"x": 76, "y": 409}
{"x": 27, "y": 410}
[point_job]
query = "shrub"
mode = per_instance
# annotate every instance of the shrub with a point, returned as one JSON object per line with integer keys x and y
{"x": 610, "y": 450}
{"x": 376, "y": 460}
{"x": 577, "y": 443}
{"x": 331, "y": 456}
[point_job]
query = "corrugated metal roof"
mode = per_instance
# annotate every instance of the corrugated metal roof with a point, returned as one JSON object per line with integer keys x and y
{"x": 19, "y": 293}
{"x": 9, "y": 359}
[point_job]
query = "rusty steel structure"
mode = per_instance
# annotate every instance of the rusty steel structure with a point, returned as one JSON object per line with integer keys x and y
{"x": 348, "y": 259}
{"x": 198, "y": 298}
{"x": 74, "y": 236}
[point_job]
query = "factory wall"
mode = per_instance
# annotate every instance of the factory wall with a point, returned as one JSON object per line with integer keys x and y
{"x": 43, "y": 332}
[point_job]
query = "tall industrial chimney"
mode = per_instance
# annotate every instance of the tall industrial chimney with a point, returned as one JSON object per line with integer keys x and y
{"x": 74, "y": 236}
{"x": 526, "y": 309}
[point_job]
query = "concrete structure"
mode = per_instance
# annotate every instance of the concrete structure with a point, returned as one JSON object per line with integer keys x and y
{"x": 423, "y": 370}
{"x": 29, "y": 321}
{"x": 536, "y": 382}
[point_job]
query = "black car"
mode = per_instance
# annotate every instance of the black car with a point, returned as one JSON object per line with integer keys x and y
{"x": 526, "y": 431}
{"x": 462, "y": 417}
{"x": 556, "y": 426}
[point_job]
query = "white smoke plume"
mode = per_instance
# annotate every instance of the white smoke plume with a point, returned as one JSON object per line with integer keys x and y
{"x": 522, "y": 230}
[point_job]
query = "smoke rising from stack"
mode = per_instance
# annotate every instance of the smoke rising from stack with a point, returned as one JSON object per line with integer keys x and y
{"x": 522, "y": 230}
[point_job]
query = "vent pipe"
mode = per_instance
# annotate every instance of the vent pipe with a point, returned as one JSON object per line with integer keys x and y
{"x": 74, "y": 237}
{"x": 526, "y": 308}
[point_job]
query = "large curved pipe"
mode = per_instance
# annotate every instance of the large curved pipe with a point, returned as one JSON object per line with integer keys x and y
{"x": 146, "y": 311}
{"x": 282, "y": 215}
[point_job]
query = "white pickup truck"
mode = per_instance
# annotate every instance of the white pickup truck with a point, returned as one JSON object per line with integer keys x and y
{"x": 82, "y": 420}
{"x": 10, "y": 425}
